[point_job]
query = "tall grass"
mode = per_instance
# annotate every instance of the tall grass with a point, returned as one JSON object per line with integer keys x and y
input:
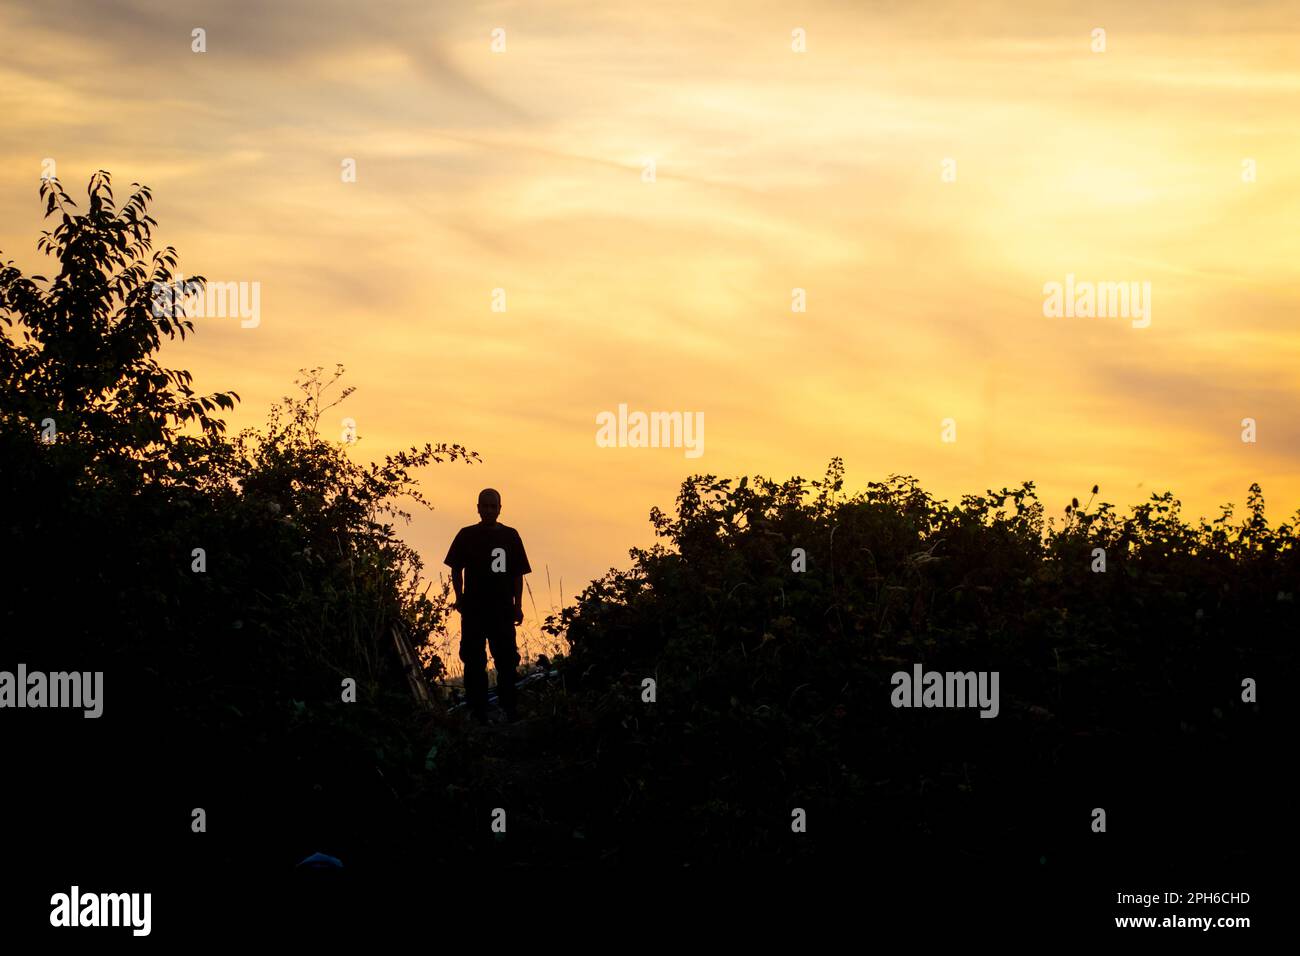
{"x": 531, "y": 638}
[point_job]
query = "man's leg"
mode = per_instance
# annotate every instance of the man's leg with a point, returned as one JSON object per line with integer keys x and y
{"x": 506, "y": 658}
{"x": 474, "y": 657}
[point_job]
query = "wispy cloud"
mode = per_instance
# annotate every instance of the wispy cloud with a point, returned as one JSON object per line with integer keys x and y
{"x": 523, "y": 171}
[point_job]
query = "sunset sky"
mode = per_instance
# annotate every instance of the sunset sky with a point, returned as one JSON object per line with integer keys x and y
{"x": 523, "y": 170}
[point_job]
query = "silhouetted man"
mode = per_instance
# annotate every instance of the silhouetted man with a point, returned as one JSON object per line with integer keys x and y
{"x": 492, "y": 559}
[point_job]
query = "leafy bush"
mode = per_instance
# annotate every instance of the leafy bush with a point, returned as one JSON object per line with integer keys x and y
{"x": 773, "y": 684}
{"x": 225, "y": 683}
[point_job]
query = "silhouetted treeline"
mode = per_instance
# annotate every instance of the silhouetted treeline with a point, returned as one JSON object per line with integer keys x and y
{"x": 226, "y": 586}
{"x": 770, "y": 620}
{"x": 1120, "y": 688}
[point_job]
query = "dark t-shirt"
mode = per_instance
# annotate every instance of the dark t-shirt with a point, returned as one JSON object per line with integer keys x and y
{"x": 489, "y": 578}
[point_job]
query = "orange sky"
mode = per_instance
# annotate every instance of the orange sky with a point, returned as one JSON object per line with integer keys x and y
{"x": 523, "y": 170}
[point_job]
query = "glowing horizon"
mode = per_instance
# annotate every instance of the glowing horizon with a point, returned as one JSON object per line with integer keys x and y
{"x": 525, "y": 170}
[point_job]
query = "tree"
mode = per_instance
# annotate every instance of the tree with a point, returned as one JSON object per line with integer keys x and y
{"x": 79, "y": 349}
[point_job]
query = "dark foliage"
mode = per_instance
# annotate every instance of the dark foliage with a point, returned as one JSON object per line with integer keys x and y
{"x": 1119, "y": 689}
{"x": 223, "y": 686}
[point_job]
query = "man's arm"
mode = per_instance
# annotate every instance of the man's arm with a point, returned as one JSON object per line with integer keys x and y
{"x": 456, "y": 561}
{"x": 521, "y": 567}
{"x": 457, "y": 584}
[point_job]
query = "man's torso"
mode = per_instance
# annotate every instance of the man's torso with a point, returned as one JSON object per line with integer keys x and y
{"x": 492, "y": 555}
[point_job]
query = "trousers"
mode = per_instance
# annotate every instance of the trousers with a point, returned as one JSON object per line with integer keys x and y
{"x": 497, "y": 631}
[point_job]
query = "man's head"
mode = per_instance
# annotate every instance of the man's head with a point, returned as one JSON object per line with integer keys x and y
{"x": 489, "y": 505}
